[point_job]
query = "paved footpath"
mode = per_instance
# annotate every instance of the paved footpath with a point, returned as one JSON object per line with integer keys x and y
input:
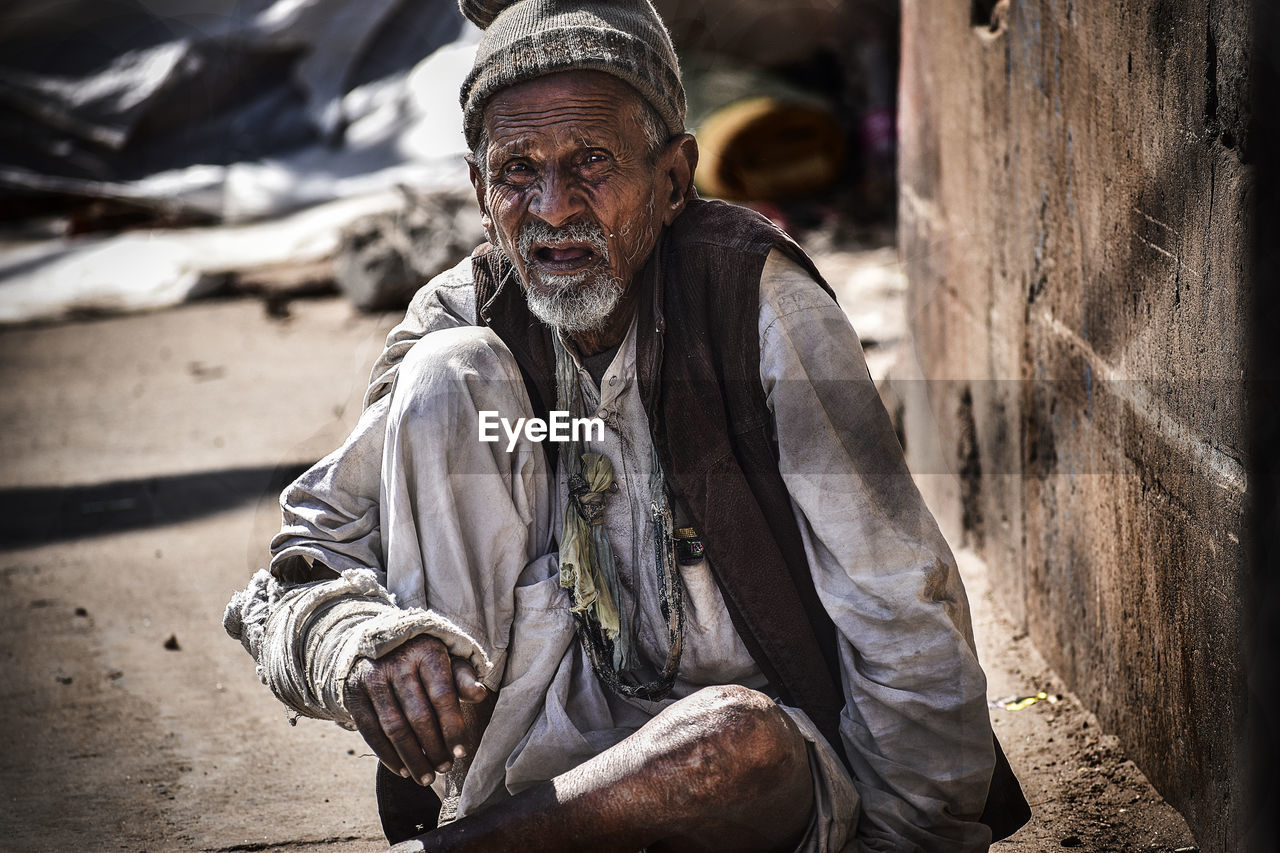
{"x": 140, "y": 457}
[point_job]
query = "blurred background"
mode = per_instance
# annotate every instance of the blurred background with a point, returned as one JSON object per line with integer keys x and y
{"x": 316, "y": 145}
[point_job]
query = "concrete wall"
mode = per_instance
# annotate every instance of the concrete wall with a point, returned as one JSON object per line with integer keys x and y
{"x": 1074, "y": 197}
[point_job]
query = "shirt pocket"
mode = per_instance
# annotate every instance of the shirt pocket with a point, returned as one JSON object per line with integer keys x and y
{"x": 713, "y": 653}
{"x": 541, "y": 630}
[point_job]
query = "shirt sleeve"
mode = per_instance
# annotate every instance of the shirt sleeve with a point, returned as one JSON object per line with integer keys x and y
{"x": 330, "y": 513}
{"x": 915, "y": 724}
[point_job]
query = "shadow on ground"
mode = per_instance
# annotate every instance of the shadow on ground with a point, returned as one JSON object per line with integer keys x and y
{"x": 43, "y": 515}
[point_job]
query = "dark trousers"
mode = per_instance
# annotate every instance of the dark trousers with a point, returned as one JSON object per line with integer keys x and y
{"x": 405, "y": 807}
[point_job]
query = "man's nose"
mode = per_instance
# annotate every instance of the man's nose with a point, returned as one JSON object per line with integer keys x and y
{"x": 559, "y": 199}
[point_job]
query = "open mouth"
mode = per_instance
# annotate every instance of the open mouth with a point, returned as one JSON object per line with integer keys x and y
{"x": 564, "y": 258}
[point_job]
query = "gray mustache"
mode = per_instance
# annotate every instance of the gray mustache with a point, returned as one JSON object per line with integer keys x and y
{"x": 537, "y": 231}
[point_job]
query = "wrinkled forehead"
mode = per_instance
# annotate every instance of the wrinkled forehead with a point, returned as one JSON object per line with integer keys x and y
{"x": 567, "y": 109}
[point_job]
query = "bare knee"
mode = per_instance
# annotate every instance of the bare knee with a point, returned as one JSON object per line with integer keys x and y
{"x": 742, "y": 769}
{"x": 732, "y": 736}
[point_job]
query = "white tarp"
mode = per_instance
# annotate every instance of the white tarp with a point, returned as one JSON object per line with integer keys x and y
{"x": 192, "y": 84}
{"x": 403, "y": 128}
{"x": 151, "y": 269}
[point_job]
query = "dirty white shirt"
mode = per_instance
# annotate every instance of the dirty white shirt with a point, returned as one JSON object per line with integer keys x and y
{"x": 915, "y": 724}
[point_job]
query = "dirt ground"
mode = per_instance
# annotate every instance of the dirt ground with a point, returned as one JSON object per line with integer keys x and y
{"x": 141, "y": 459}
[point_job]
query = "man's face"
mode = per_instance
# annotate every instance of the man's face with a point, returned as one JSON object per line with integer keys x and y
{"x": 571, "y": 192}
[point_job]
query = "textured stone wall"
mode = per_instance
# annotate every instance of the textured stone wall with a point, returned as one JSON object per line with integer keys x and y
{"x": 1075, "y": 228}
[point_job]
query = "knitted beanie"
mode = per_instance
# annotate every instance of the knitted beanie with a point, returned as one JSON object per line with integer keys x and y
{"x": 524, "y": 39}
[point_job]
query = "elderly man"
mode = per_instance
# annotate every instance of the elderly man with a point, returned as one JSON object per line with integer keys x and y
{"x": 720, "y": 620}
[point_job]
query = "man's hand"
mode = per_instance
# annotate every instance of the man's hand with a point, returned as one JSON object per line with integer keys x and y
{"x": 406, "y": 706}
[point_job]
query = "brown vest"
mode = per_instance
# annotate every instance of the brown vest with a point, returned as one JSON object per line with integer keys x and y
{"x": 698, "y": 364}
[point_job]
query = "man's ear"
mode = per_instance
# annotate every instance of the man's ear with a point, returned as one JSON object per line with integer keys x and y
{"x": 477, "y": 183}
{"x": 678, "y": 161}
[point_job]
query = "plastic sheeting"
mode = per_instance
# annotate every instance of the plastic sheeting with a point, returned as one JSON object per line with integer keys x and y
{"x": 231, "y": 112}
{"x": 138, "y": 270}
{"x": 234, "y": 110}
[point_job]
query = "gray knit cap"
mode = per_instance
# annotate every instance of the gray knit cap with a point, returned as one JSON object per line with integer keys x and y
{"x": 524, "y": 39}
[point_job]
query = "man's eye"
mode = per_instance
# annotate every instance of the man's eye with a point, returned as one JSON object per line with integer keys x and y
{"x": 517, "y": 170}
{"x": 595, "y": 158}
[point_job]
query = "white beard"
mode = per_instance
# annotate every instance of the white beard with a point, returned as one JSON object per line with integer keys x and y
{"x": 580, "y": 302}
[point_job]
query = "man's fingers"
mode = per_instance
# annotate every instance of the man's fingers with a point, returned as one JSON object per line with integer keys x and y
{"x": 397, "y": 728}
{"x": 421, "y": 717}
{"x": 437, "y": 676}
{"x": 367, "y": 723}
{"x": 406, "y": 706}
{"x": 469, "y": 687}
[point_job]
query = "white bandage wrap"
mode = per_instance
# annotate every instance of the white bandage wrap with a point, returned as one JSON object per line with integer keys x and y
{"x": 306, "y": 638}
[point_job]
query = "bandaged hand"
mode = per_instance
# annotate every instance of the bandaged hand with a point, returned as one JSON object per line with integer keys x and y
{"x": 342, "y": 650}
{"x": 407, "y": 706}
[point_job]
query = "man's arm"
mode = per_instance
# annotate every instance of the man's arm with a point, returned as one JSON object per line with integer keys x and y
{"x": 341, "y": 650}
{"x": 915, "y": 724}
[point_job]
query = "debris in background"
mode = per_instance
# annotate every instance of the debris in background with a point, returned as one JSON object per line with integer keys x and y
{"x": 386, "y": 257}
{"x": 104, "y": 98}
{"x": 278, "y": 284}
{"x": 138, "y": 270}
{"x": 842, "y": 56}
{"x": 172, "y": 643}
{"x": 1017, "y": 703}
{"x": 182, "y": 122}
{"x": 306, "y": 113}
{"x": 202, "y": 372}
{"x": 759, "y": 137}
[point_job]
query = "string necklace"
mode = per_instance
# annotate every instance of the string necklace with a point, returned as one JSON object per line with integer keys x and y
{"x": 589, "y": 569}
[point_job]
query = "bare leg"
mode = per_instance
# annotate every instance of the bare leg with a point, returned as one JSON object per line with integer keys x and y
{"x": 723, "y": 769}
